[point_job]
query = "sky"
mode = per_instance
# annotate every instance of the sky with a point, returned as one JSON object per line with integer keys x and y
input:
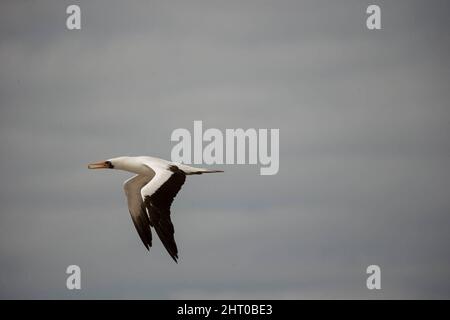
{"x": 364, "y": 126}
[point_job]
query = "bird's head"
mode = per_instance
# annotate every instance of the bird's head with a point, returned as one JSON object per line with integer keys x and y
{"x": 130, "y": 164}
{"x": 107, "y": 164}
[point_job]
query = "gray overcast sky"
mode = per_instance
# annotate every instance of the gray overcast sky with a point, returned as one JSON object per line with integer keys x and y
{"x": 364, "y": 147}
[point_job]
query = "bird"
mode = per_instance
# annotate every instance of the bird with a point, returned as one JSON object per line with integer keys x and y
{"x": 150, "y": 194}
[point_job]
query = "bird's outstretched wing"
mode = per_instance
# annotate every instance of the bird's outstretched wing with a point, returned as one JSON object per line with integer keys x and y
{"x": 132, "y": 188}
{"x": 158, "y": 195}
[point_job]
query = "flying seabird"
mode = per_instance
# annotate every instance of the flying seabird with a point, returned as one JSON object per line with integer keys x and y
{"x": 150, "y": 194}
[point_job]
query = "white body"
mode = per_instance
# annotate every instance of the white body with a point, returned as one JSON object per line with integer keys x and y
{"x": 140, "y": 165}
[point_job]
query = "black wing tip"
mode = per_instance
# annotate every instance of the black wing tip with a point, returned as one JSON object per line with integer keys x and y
{"x": 173, "y": 252}
{"x": 146, "y": 242}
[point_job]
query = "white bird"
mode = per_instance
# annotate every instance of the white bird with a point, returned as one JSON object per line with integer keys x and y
{"x": 150, "y": 194}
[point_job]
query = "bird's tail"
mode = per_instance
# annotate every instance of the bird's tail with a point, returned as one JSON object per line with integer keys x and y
{"x": 191, "y": 170}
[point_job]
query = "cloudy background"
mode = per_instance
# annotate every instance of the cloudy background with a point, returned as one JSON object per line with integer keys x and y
{"x": 364, "y": 147}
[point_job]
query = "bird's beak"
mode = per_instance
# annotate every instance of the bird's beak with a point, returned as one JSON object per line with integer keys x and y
{"x": 99, "y": 165}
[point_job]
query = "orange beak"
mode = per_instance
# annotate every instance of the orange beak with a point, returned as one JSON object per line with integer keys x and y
{"x": 99, "y": 165}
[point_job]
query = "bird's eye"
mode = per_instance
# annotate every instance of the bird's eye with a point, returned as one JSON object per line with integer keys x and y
{"x": 109, "y": 164}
